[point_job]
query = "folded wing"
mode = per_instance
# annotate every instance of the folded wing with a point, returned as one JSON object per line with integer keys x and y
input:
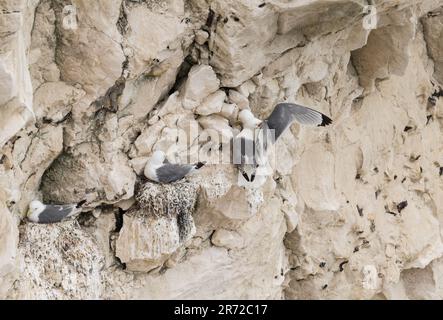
{"x": 172, "y": 172}
{"x": 55, "y": 213}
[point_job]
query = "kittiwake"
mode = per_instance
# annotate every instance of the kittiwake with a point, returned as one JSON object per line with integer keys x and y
{"x": 254, "y": 153}
{"x": 244, "y": 152}
{"x": 48, "y": 213}
{"x": 159, "y": 169}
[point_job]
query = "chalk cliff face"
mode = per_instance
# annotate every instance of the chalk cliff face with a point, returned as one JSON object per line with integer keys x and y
{"x": 89, "y": 89}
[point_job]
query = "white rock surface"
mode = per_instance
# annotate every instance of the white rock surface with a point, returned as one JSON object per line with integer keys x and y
{"x": 201, "y": 82}
{"x": 211, "y": 104}
{"x": 227, "y": 239}
{"x": 145, "y": 242}
{"x": 54, "y": 100}
{"x": 16, "y": 92}
{"x": 350, "y": 211}
{"x": 239, "y": 99}
{"x": 98, "y": 21}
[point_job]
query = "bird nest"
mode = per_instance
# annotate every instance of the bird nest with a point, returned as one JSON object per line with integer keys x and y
{"x": 173, "y": 199}
{"x": 176, "y": 200}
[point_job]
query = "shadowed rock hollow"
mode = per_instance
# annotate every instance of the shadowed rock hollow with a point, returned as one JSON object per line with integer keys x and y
{"x": 352, "y": 211}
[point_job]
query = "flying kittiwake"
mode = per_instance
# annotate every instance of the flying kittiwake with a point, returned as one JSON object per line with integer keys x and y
{"x": 48, "y": 213}
{"x": 159, "y": 169}
{"x": 250, "y": 151}
{"x": 244, "y": 148}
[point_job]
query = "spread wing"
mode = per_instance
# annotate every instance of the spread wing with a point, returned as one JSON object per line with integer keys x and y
{"x": 284, "y": 114}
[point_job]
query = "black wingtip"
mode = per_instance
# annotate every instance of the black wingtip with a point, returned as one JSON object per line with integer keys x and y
{"x": 80, "y": 203}
{"x": 326, "y": 121}
{"x": 199, "y": 165}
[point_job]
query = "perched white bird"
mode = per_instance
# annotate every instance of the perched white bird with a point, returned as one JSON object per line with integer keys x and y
{"x": 250, "y": 151}
{"x": 159, "y": 169}
{"x": 47, "y": 213}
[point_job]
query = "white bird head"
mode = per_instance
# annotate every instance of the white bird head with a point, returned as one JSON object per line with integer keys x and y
{"x": 248, "y": 119}
{"x": 35, "y": 208}
{"x": 157, "y": 158}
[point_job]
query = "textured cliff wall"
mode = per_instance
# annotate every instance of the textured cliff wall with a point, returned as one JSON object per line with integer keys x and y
{"x": 89, "y": 89}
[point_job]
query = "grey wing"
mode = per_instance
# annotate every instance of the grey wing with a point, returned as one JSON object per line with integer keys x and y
{"x": 172, "y": 172}
{"x": 54, "y": 213}
{"x": 308, "y": 116}
{"x": 285, "y": 113}
{"x": 279, "y": 120}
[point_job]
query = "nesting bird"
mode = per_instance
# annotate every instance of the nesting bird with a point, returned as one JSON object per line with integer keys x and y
{"x": 250, "y": 151}
{"x": 47, "y": 213}
{"x": 159, "y": 169}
